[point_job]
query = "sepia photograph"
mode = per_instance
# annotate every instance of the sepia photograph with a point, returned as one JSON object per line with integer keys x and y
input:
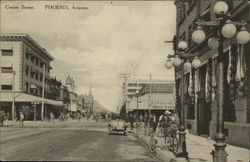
{"x": 125, "y": 80}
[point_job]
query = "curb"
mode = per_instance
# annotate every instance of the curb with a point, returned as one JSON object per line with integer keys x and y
{"x": 166, "y": 156}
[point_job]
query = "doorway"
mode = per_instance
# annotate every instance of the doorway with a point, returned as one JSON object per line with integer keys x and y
{"x": 203, "y": 107}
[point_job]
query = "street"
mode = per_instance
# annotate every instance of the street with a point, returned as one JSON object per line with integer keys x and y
{"x": 84, "y": 141}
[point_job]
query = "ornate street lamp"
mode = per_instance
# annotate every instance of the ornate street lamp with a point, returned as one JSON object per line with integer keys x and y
{"x": 225, "y": 29}
{"x": 181, "y": 59}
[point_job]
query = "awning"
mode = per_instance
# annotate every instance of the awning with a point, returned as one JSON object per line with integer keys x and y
{"x": 23, "y": 97}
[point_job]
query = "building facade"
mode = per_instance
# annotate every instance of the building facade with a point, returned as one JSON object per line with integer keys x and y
{"x": 144, "y": 95}
{"x": 201, "y": 84}
{"x": 64, "y": 97}
{"x": 25, "y": 68}
{"x": 70, "y": 83}
{"x": 89, "y": 103}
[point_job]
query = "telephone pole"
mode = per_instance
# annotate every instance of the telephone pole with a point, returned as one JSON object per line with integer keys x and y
{"x": 125, "y": 77}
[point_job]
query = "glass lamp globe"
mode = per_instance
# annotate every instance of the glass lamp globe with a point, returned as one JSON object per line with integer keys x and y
{"x": 198, "y": 35}
{"x": 168, "y": 64}
{"x": 137, "y": 91}
{"x": 177, "y": 61}
{"x": 243, "y": 36}
{"x": 228, "y": 30}
{"x": 182, "y": 45}
{"x": 187, "y": 65}
{"x": 196, "y": 62}
{"x": 213, "y": 43}
{"x": 220, "y": 8}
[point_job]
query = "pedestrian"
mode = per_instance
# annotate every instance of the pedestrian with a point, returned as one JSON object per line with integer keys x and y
{"x": 146, "y": 124}
{"x": 7, "y": 117}
{"x": 1, "y": 118}
{"x": 131, "y": 120}
{"x": 52, "y": 117}
{"x": 165, "y": 124}
{"x": 21, "y": 120}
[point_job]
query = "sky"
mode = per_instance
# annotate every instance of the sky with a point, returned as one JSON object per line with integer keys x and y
{"x": 95, "y": 45}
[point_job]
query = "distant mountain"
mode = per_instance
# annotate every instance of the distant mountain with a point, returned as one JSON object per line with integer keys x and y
{"x": 99, "y": 108}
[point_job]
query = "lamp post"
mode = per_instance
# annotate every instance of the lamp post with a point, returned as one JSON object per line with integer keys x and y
{"x": 224, "y": 28}
{"x": 137, "y": 115}
{"x": 181, "y": 59}
{"x": 34, "y": 104}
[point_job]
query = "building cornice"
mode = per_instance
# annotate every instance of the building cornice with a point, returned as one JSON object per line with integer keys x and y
{"x": 28, "y": 40}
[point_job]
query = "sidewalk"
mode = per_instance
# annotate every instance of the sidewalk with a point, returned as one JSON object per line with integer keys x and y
{"x": 199, "y": 149}
{"x": 46, "y": 124}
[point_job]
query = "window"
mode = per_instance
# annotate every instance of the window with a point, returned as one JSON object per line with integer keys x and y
{"x": 27, "y": 55}
{"x": 37, "y": 76}
{"x": 37, "y": 61}
{"x": 26, "y": 86}
{"x": 27, "y": 70}
{"x": 7, "y": 52}
{"x": 6, "y": 87}
{"x": 190, "y": 29}
{"x": 6, "y": 69}
{"x": 33, "y": 59}
{"x": 32, "y": 74}
{"x": 41, "y": 77}
{"x": 41, "y": 64}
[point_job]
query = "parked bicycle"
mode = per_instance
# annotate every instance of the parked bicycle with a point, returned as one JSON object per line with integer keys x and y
{"x": 172, "y": 140}
{"x": 153, "y": 143}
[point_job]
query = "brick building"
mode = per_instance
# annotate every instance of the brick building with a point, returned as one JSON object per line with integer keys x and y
{"x": 24, "y": 64}
{"x": 200, "y": 103}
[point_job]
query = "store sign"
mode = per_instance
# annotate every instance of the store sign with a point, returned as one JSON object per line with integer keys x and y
{"x": 170, "y": 105}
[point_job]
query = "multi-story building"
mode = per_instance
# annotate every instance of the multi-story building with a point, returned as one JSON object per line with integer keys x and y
{"x": 24, "y": 66}
{"x": 89, "y": 102}
{"x": 70, "y": 83}
{"x": 64, "y": 97}
{"x": 154, "y": 95}
{"x": 200, "y": 102}
{"x": 80, "y": 103}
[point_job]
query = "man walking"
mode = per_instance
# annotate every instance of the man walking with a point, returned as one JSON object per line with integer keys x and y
{"x": 52, "y": 117}
{"x": 21, "y": 119}
{"x": 165, "y": 123}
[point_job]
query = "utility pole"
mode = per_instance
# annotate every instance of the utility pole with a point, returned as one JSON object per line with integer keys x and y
{"x": 134, "y": 66}
{"x": 150, "y": 91}
{"x": 125, "y": 77}
{"x": 42, "y": 110}
{"x": 13, "y": 95}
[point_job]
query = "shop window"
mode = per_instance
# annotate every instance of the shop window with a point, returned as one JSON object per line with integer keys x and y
{"x": 7, "y": 52}
{"x": 6, "y": 69}
{"x": 229, "y": 107}
{"x": 6, "y": 87}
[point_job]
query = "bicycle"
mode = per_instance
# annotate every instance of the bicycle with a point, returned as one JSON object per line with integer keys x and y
{"x": 173, "y": 140}
{"x": 153, "y": 143}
